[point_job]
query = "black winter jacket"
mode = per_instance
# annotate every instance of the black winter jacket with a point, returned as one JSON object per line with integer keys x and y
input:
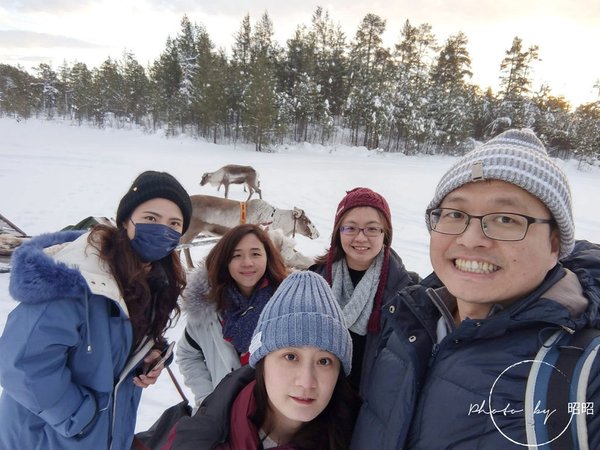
{"x": 398, "y": 278}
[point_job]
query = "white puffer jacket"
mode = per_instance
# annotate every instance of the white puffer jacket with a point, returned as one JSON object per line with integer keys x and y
{"x": 202, "y": 354}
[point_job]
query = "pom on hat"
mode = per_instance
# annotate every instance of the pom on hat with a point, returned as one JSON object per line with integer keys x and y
{"x": 520, "y": 158}
{"x": 149, "y": 185}
{"x": 302, "y": 312}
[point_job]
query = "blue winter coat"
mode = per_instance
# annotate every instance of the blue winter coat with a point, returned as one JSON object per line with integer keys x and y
{"x": 424, "y": 395}
{"x": 64, "y": 348}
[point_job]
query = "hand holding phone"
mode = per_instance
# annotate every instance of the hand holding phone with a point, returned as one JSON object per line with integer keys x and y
{"x": 164, "y": 356}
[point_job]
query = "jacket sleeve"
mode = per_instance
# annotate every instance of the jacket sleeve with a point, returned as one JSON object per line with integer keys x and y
{"x": 192, "y": 365}
{"x": 34, "y": 369}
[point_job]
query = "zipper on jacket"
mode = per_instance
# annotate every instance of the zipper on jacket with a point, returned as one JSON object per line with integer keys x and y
{"x": 434, "y": 351}
{"x": 442, "y": 308}
{"x": 87, "y": 322}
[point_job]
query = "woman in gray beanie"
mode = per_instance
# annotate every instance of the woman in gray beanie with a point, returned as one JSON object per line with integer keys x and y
{"x": 298, "y": 396}
{"x": 82, "y": 343}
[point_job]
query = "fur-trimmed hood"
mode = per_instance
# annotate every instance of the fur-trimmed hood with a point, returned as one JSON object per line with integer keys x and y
{"x": 195, "y": 304}
{"x": 60, "y": 265}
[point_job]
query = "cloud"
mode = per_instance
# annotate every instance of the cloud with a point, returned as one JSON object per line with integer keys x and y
{"x": 237, "y": 8}
{"x": 40, "y": 6}
{"x": 31, "y": 39}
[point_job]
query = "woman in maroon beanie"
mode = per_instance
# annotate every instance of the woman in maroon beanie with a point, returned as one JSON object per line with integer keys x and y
{"x": 363, "y": 271}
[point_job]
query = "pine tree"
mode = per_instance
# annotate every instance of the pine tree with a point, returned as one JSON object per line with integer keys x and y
{"x": 260, "y": 98}
{"x": 331, "y": 64}
{"x": 587, "y": 132}
{"x": 552, "y": 121}
{"x": 516, "y": 68}
{"x": 80, "y": 80}
{"x": 206, "y": 88}
{"x": 297, "y": 84}
{"x": 450, "y": 93}
{"x": 239, "y": 71}
{"x": 166, "y": 78}
{"x": 515, "y": 83}
{"x": 215, "y": 102}
{"x": 413, "y": 57}
{"x": 17, "y": 97}
{"x": 65, "y": 89}
{"x": 109, "y": 93}
{"x": 48, "y": 92}
{"x": 370, "y": 63}
{"x": 187, "y": 58}
{"x": 136, "y": 87}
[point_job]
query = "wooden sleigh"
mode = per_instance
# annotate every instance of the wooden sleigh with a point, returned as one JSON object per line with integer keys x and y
{"x": 11, "y": 236}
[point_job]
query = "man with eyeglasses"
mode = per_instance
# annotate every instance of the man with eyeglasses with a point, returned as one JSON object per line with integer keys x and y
{"x": 463, "y": 345}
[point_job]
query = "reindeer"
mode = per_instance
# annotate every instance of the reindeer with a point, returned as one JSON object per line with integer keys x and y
{"x": 234, "y": 174}
{"x": 215, "y": 215}
{"x": 292, "y": 257}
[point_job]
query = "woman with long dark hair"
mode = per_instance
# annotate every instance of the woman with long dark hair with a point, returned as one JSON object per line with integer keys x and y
{"x": 89, "y": 327}
{"x": 222, "y": 302}
{"x": 298, "y": 396}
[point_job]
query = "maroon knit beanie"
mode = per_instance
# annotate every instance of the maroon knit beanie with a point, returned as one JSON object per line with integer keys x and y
{"x": 361, "y": 196}
{"x": 356, "y": 197}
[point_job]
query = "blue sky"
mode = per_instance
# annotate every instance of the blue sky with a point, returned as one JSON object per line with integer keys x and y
{"x": 566, "y": 31}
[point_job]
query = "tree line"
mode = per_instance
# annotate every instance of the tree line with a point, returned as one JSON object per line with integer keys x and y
{"x": 414, "y": 97}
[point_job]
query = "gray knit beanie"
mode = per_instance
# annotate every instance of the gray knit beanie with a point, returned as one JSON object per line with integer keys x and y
{"x": 517, "y": 157}
{"x": 302, "y": 312}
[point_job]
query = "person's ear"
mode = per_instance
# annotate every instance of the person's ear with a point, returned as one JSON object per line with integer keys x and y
{"x": 555, "y": 244}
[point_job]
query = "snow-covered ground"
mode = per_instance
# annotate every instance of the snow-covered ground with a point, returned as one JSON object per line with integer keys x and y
{"x": 53, "y": 174}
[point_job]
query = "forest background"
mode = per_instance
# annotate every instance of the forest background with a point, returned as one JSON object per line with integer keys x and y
{"x": 320, "y": 88}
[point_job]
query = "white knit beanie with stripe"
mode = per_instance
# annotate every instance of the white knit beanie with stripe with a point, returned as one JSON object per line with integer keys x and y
{"x": 520, "y": 158}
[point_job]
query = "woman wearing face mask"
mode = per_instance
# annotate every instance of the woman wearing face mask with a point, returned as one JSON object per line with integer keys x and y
{"x": 78, "y": 348}
{"x": 363, "y": 271}
{"x": 222, "y": 303}
{"x": 298, "y": 396}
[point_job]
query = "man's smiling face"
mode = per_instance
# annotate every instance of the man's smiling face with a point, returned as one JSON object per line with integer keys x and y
{"x": 480, "y": 271}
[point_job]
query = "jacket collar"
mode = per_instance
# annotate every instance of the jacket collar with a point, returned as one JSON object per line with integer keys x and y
{"x": 85, "y": 258}
{"x": 195, "y": 303}
{"x": 57, "y": 265}
{"x": 559, "y": 300}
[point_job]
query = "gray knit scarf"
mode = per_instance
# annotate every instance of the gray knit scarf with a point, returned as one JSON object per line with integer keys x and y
{"x": 356, "y": 302}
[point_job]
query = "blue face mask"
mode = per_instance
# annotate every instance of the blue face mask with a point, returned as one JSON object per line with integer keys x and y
{"x": 154, "y": 241}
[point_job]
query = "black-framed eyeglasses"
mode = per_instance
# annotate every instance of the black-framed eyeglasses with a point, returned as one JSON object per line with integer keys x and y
{"x": 350, "y": 230}
{"x": 500, "y": 226}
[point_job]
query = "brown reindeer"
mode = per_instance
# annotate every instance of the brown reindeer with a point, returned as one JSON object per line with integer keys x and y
{"x": 233, "y": 174}
{"x": 215, "y": 215}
